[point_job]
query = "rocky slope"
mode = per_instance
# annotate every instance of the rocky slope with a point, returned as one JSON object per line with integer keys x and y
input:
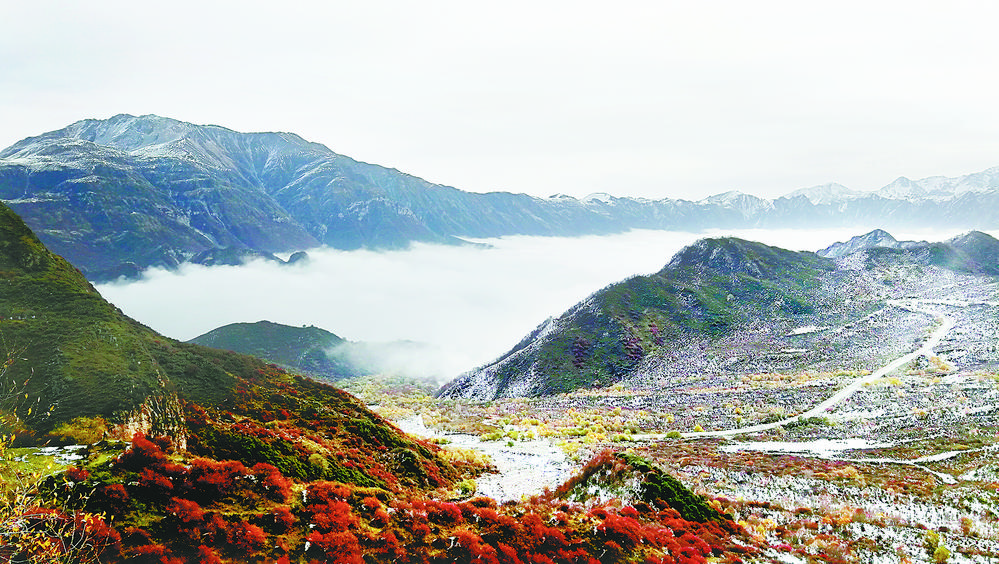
{"x": 119, "y": 195}
{"x": 730, "y": 305}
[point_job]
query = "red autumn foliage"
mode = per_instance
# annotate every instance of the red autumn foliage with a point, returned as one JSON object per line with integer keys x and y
{"x": 185, "y": 510}
{"x": 282, "y": 519}
{"x": 77, "y": 474}
{"x": 142, "y": 454}
{"x": 340, "y": 547}
{"x": 276, "y": 486}
{"x": 110, "y": 498}
{"x": 444, "y": 513}
{"x": 208, "y": 556}
{"x": 154, "y": 484}
{"x": 246, "y": 539}
{"x": 212, "y": 481}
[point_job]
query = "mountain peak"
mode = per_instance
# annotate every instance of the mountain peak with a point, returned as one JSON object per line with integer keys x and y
{"x": 731, "y": 255}
{"x": 824, "y": 194}
{"x": 875, "y": 238}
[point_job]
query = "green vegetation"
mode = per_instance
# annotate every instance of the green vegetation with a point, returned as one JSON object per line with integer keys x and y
{"x": 707, "y": 290}
{"x": 302, "y": 349}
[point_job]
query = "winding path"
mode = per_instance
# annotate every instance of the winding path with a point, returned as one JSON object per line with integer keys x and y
{"x": 946, "y": 323}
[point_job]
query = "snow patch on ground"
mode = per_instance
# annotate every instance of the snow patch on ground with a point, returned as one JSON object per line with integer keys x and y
{"x": 806, "y": 329}
{"x": 524, "y": 469}
{"x": 821, "y": 448}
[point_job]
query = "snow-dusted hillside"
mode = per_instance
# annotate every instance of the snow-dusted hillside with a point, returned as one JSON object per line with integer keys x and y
{"x": 118, "y": 195}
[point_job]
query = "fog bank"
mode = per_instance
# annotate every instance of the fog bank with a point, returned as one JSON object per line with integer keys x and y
{"x": 468, "y": 304}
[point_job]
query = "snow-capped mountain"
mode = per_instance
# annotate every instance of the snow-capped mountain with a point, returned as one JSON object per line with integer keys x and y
{"x": 119, "y": 195}
{"x": 876, "y": 238}
{"x": 826, "y": 194}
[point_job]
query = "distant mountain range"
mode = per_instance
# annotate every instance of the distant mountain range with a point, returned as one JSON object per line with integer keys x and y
{"x": 728, "y": 305}
{"x": 120, "y": 195}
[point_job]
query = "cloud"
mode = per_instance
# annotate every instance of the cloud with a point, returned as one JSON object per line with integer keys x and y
{"x": 467, "y": 305}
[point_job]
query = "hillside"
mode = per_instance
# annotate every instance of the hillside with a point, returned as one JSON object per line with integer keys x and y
{"x": 181, "y": 453}
{"x": 90, "y": 372}
{"x": 724, "y": 307}
{"x": 302, "y": 349}
{"x": 323, "y": 355}
{"x": 120, "y": 195}
{"x": 707, "y": 289}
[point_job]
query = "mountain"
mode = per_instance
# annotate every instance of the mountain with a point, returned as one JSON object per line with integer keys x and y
{"x": 302, "y": 349}
{"x": 708, "y": 288}
{"x": 182, "y": 453}
{"x": 726, "y": 306}
{"x": 119, "y": 195}
{"x": 826, "y": 194}
{"x": 979, "y": 251}
{"x": 323, "y": 355}
{"x": 79, "y": 370}
{"x": 876, "y": 238}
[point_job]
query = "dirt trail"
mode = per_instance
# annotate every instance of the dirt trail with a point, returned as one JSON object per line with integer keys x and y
{"x": 946, "y": 323}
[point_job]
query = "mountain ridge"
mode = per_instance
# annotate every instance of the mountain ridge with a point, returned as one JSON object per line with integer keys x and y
{"x": 729, "y": 305}
{"x": 120, "y": 195}
{"x": 708, "y": 288}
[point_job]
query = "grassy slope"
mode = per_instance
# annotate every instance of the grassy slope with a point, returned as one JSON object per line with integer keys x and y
{"x": 84, "y": 358}
{"x": 708, "y": 289}
{"x": 301, "y": 349}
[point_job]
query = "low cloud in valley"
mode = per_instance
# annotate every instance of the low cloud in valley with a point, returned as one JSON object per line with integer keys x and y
{"x": 464, "y": 305}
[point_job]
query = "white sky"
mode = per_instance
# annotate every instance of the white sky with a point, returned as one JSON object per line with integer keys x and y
{"x": 657, "y": 99}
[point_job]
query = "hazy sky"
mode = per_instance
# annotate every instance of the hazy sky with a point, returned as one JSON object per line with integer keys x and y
{"x": 657, "y": 98}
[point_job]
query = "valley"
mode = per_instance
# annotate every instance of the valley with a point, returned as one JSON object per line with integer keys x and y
{"x": 743, "y": 403}
{"x": 883, "y": 463}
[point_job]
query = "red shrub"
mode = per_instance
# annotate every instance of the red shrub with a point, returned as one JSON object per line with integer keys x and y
{"x": 154, "y": 484}
{"x": 282, "y": 518}
{"x": 213, "y": 480}
{"x": 151, "y": 553}
{"x": 142, "y": 454}
{"x": 247, "y": 539}
{"x": 506, "y": 554}
{"x": 185, "y": 510}
{"x": 540, "y": 536}
{"x": 164, "y": 443}
{"x": 276, "y": 486}
{"x": 340, "y": 547}
{"x": 388, "y": 547}
{"x": 380, "y": 519}
{"x": 208, "y": 556}
{"x": 444, "y": 513}
{"x": 335, "y": 516}
{"x": 323, "y": 492}
{"x": 77, "y": 474}
{"x": 623, "y": 531}
{"x": 110, "y": 498}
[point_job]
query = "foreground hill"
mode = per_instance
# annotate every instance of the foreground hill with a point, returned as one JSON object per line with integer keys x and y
{"x": 725, "y": 305}
{"x": 228, "y": 459}
{"x": 119, "y": 195}
{"x": 89, "y": 372}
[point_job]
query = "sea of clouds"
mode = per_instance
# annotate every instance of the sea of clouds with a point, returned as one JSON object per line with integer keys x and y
{"x": 466, "y": 305}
